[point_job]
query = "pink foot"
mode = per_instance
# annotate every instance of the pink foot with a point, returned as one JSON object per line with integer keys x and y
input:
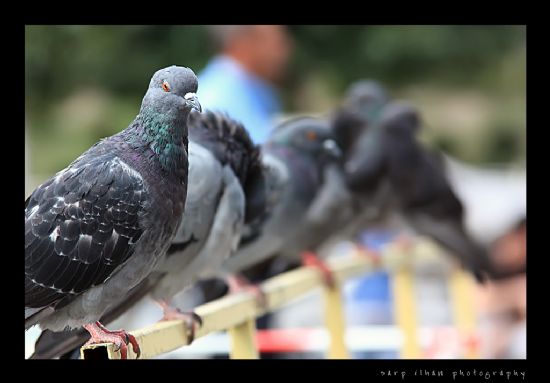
{"x": 239, "y": 284}
{"x": 192, "y": 320}
{"x": 405, "y": 242}
{"x": 369, "y": 253}
{"x": 310, "y": 259}
{"x": 120, "y": 338}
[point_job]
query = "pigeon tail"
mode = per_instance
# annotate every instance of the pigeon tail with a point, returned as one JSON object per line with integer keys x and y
{"x": 35, "y": 315}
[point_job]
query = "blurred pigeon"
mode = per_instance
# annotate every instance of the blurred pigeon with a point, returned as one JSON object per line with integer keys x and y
{"x": 355, "y": 127}
{"x": 415, "y": 184}
{"x": 362, "y": 105}
{"x": 98, "y": 227}
{"x": 333, "y": 205}
{"x": 295, "y": 157}
{"x": 333, "y": 209}
{"x": 223, "y": 163}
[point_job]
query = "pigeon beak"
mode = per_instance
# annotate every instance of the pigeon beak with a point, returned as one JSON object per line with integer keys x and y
{"x": 193, "y": 101}
{"x": 332, "y": 148}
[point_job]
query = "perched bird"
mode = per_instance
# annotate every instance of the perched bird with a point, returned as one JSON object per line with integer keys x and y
{"x": 331, "y": 206}
{"x": 354, "y": 124}
{"x": 336, "y": 211}
{"x": 223, "y": 165}
{"x": 98, "y": 227}
{"x": 295, "y": 157}
{"x": 415, "y": 183}
{"x": 333, "y": 212}
{"x": 333, "y": 209}
{"x": 361, "y": 107}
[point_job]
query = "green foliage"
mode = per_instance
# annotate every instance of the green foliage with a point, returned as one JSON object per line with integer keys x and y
{"x": 85, "y": 82}
{"x": 60, "y": 59}
{"x": 401, "y": 55}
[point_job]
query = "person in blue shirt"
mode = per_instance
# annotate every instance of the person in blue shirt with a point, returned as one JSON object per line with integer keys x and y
{"x": 241, "y": 80}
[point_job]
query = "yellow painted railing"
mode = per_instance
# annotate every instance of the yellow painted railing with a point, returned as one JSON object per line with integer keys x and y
{"x": 236, "y": 313}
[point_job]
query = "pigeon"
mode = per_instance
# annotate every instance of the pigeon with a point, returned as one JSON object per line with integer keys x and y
{"x": 333, "y": 209}
{"x": 355, "y": 125}
{"x": 336, "y": 210}
{"x": 414, "y": 184}
{"x": 341, "y": 213}
{"x": 362, "y": 105}
{"x": 99, "y": 227}
{"x": 295, "y": 157}
{"x": 333, "y": 213}
{"x": 223, "y": 165}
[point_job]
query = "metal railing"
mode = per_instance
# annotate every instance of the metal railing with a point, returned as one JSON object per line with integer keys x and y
{"x": 236, "y": 313}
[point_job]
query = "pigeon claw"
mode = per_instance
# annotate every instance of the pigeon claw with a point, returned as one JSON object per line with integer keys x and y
{"x": 192, "y": 319}
{"x": 120, "y": 338}
{"x": 373, "y": 255}
{"x": 405, "y": 242}
{"x": 310, "y": 259}
{"x": 239, "y": 284}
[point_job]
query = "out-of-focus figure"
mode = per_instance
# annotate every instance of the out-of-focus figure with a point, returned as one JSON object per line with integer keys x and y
{"x": 502, "y": 304}
{"x": 495, "y": 200}
{"x": 242, "y": 78}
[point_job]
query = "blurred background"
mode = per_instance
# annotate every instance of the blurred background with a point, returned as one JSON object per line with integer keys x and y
{"x": 86, "y": 82}
{"x": 83, "y": 83}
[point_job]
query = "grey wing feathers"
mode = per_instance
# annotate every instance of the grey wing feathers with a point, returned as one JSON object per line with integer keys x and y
{"x": 228, "y": 222}
{"x": 276, "y": 180}
{"x": 80, "y": 226}
{"x": 184, "y": 267}
{"x": 203, "y": 192}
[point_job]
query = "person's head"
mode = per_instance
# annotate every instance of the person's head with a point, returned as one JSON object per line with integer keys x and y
{"x": 262, "y": 49}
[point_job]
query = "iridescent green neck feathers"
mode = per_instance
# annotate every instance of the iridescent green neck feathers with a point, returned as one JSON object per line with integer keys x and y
{"x": 166, "y": 135}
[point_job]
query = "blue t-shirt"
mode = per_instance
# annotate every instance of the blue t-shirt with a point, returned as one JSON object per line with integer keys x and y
{"x": 224, "y": 85}
{"x": 375, "y": 286}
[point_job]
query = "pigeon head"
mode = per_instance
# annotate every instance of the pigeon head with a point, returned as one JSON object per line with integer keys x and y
{"x": 161, "y": 125}
{"x": 400, "y": 118}
{"x": 362, "y": 105}
{"x": 366, "y": 97}
{"x": 172, "y": 91}
{"x": 366, "y": 93}
{"x": 308, "y": 135}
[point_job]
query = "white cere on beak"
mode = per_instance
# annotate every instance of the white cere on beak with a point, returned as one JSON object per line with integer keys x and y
{"x": 332, "y": 147}
{"x": 193, "y": 100}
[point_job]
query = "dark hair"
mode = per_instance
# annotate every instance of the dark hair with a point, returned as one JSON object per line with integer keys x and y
{"x": 222, "y": 34}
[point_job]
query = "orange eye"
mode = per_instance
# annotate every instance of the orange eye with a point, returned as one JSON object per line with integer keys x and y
{"x": 165, "y": 86}
{"x": 311, "y": 135}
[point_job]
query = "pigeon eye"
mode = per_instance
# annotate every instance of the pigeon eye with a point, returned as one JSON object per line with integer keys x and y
{"x": 311, "y": 135}
{"x": 165, "y": 86}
